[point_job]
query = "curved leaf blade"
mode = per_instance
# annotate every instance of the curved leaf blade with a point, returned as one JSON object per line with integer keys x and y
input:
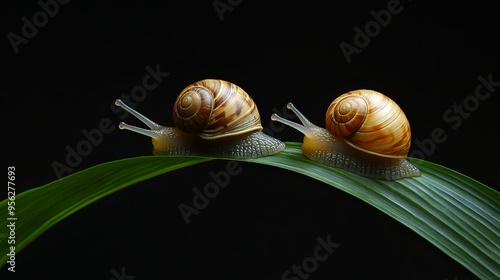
{"x": 39, "y": 209}
{"x": 457, "y": 214}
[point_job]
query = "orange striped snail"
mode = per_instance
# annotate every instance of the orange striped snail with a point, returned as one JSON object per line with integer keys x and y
{"x": 212, "y": 118}
{"x": 366, "y": 133}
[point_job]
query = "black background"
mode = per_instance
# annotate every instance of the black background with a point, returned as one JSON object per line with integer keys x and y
{"x": 66, "y": 77}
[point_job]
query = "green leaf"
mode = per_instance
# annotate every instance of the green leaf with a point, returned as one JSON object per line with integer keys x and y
{"x": 457, "y": 214}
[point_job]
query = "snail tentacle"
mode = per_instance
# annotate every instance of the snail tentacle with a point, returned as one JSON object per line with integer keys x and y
{"x": 153, "y": 132}
{"x": 305, "y": 128}
{"x": 151, "y": 124}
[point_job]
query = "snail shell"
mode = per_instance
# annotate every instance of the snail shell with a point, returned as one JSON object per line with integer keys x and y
{"x": 215, "y": 109}
{"x": 371, "y": 122}
{"x": 212, "y": 118}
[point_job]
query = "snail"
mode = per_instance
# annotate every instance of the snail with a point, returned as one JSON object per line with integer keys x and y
{"x": 212, "y": 118}
{"x": 366, "y": 133}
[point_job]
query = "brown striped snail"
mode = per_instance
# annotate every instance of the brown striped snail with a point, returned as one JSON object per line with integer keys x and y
{"x": 366, "y": 133}
{"x": 212, "y": 118}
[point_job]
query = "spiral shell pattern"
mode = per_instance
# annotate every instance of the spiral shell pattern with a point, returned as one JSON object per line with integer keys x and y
{"x": 371, "y": 122}
{"x": 215, "y": 109}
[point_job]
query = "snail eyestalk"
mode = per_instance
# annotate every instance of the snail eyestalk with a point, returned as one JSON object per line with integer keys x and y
{"x": 305, "y": 128}
{"x": 155, "y": 128}
{"x": 140, "y": 130}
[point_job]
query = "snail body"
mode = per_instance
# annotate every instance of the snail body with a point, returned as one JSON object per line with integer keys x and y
{"x": 366, "y": 133}
{"x": 211, "y": 118}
